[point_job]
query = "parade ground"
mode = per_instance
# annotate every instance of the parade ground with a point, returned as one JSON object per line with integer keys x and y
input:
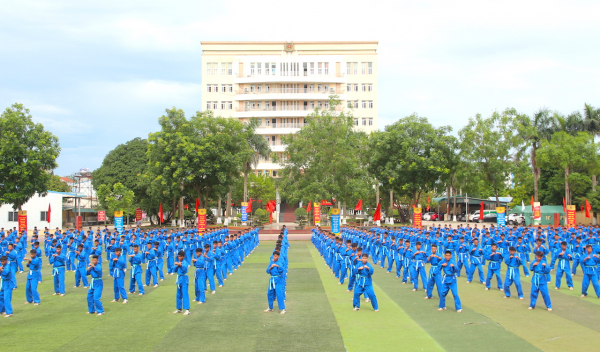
{"x": 319, "y": 316}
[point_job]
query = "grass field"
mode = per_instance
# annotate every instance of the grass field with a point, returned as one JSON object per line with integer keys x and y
{"x": 320, "y": 316}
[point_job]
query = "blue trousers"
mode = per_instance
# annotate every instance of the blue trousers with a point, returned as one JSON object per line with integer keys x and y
{"x": 70, "y": 263}
{"x": 490, "y": 275}
{"x": 398, "y": 266}
{"x": 524, "y": 260}
{"x": 536, "y": 289}
{"x": 337, "y": 265}
{"x": 559, "y": 273}
{"x": 391, "y": 261}
{"x": 219, "y": 273}
{"x": 343, "y": 272}
{"x": 459, "y": 266}
{"x": 136, "y": 278}
{"x": 151, "y": 271}
{"x": 59, "y": 280}
{"x": 575, "y": 264}
{"x": 94, "y": 295}
{"x": 471, "y": 271}
{"x": 80, "y": 275}
{"x": 200, "y": 285}
{"x": 406, "y": 273}
{"x": 210, "y": 273}
{"x": 229, "y": 265}
{"x": 159, "y": 267}
{"x": 512, "y": 276}
{"x": 223, "y": 268}
{"x": 276, "y": 292}
{"x": 414, "y": 277}
{"x": 6, "y": 300}
{"x": 170, "y": 265}
{"x": 183, "y": 296}
{"x": 368, "y": 292}
{"x": 119, "y": 287}
{"x": 586, "y": 283}
{"x": 434, "y": 279}
{"x": 450, "y": 287}
{"x": 31, "y": 292}
{"x": 351, "y": 280}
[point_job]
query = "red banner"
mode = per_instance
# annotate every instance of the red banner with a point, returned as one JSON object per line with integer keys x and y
{"x": 23, "y": 220}
{"x": 101, "y": 215}
{"x": 571, "y": 209}
{"x": 138, "y": 214}
{"x": 537, "y": 211}
{"x": 79, "y": 222}
{"x": 201, "y": 220}
{"x": 418, "y": 218}
{"x": 317, "y": 216}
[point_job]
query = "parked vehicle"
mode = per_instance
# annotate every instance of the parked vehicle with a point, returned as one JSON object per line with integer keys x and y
{"x": 437, "y": 217}
{"x": 474, "y": 216}
{"x": 427, "y": 215}
{"x": 516, "y": 219}
{"x": 490, "y": 217}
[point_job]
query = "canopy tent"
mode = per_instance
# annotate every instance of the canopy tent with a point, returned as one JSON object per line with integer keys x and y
{"x": 548, "y": 212}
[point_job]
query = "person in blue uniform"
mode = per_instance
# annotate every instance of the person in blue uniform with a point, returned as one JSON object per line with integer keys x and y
{"x": 200, "y": 264}
{"x": 448, "y": 272}
{"x": 495, "y": 261}
{"x": 94, "y": 295}
{"x": 589, "y": 264}
{"x": 539, "y": 269}
{"x": 182, "y": 282}
{"x": 119, "y": 265}
{"x": 151, "y": 268}
{"x": 276, "y": 271}
{"x": 563, "y": 258}
{"x": 513, "y": 261}
{"x": 136, "y": 260}
{"x": 34, "y": 263}
{"x": 418, "y": 267}
{"x": 58, "y": 261}
{"x": 434, "y": 277}
{"x": 80, "y": 269}
{"x": 7, "y": 285}
{"x": 364, "y": 284}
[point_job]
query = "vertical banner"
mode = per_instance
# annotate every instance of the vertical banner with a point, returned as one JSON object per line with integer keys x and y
{"x": 22, "y": 220}
{"x": 244, "y": 211}
{"x": 418, "y": 217}
{"x": 501, "y": 216}
{"x": 138, "y": 215}
{"x": 101, "y": 215}
{"x": 79, "y": 222}
{"x": 335, "y": 221}
{"x": 119, "y": 221}
{"x": 317, "y": 216}
{"x": 201, "y": 220}
{"x": 537, "y": 213}
{"x": 571, "y": 209}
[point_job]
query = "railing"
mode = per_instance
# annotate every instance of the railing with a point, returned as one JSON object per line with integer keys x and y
{"x": 280, "y": 124}
{"x": 286, "y": 108}
{"x": 287, "y": 74}
{"x": 291, "y": 91}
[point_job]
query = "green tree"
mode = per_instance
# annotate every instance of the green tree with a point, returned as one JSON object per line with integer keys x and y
{"x": 27, "y": 155}
{"x": 591, "y": 124}
{"x": 260, "y": 187}
{"x": 58, "y": 185}
{"x": 323, "y": 160}
{"x": 116, "y": 198}
{"x": 411, "y": 156}
{"x": 487, "y": 144}
{"x": 569, "y": 153}
{"x": 197, "y": 155}
{"x": 259, "y": 145}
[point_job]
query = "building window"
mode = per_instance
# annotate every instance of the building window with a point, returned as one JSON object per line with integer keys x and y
{"x": 13, "y": 216}
{"x": 319, "y": 68}
{"x": 363, "y": 68}
{"x": 327, "y": 104}
{"x": 274, "y": 173}
{"x": 223, "y": 68}
{"x": 223, "y": 88}
{"x": 215, "y": 105}
{"x": 258, "y": 68}
{"x": 320, "y": 104}
{"x": 364, "y": 104}
{"x": 267, "y": 124}
{"x": 230, "y": 88}
{"x": 312, "y": 87}
{"x": 348, "y": 68}
{"x": 370, "y": 68}
{"x": 364, "y": 121}
{"x": 215, "y": 69}
{"x": 258, "y": 88}
{"x": 319, "y": 88}
{"x": 208, "y": 105}
{"x": 252, "y": 68}
{"x": 355, "y": 68}
{"x": 229, "y": 105}
{"x": 356, "y": 87}
{"x": 348, "y": 87}
{"x": 370, "y": 121}
{"x": 369, "y": 87}
{"x": 267, "y": 173}
{"x": 370, "y": 104}
{"x": 216, "y": 88}
{"x": 258, "y": 105}
{"x": 208, "y": 88}
{"x": 312, "y": 105}
{"x": 208, "y": 68}
{"x": 267, "y": 105}
{"x": 363, "y": 87}
{"x": 312, "y": 68}
{"x": 349, "y": 104}
{"x": 222, "y": 105}
{"x": 356, "y": 121}
{"x": 252, "y": 88}
{"x": 43, "y": 216}
{"x": 229, "y": 68}
{"x": 356, "y": 104}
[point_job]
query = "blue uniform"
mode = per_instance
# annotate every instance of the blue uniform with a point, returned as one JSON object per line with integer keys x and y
{"x": 33, "y": 278}
{"x": 95, "y": 292}
{"x": 513, "y": 274}
{"x": 364, "y": 284}
{"x": 6, "y": 289}
{"x": 495, "y": 260}
{"x": 563, "y": 267}
{"x": 118, "y": 273}
{"x": 448, "y": 272}
{"x": 182, "y": 283}
{"x": 136, "y": 273}
{"x": 58, "y": 272}
{"x": 276, "y": 284}
{"x": 589, "y": 264}
{"x": 539, "y": 283}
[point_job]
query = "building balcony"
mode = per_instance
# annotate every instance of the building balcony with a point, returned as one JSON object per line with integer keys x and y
{"x": 276, "y": 111}
{"x": 288, "y": 94}
{"x": 292, "y": 76}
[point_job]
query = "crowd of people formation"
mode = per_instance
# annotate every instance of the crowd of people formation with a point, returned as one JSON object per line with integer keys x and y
{"x": 212, "y": 253}
{"x": 448, "y": 250}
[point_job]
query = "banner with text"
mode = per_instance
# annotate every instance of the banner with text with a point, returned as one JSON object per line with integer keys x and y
{"x": 537, "y": 213}
{"x": 501, "y": 216}
{"x": 201, "y": 220}
{"x": 101, "y": 215}
{"x": 335, "y": 221}
{"x": 79, "y": 222}
{"x": 119, "y": 221}
{"x": 244, "y": 213}
{"x": 317, "y": 216}
{"x": 418, "y": 217}
{"x": 22, "y": 220}
{"x": 138, "y": 214}
{"x": 571, "y": 213}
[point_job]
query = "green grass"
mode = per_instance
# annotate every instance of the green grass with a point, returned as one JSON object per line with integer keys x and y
{"x": 320, "y": 316}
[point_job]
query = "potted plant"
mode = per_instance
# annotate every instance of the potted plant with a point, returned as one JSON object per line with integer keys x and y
{"x": 301, "y": 217}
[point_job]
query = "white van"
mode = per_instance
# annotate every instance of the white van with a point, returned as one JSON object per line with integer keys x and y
{"x": 474, "y": 216}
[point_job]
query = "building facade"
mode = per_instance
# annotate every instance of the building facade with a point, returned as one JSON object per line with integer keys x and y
{"x": 280, "y": 83}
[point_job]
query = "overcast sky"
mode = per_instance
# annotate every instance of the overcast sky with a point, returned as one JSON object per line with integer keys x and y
{"x": 98, "y": 74}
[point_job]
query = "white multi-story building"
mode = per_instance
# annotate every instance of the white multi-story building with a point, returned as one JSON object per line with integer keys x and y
{"x": 280, "y": 83}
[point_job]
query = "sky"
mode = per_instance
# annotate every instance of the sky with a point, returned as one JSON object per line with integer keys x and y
{"x": 98, "y": 74}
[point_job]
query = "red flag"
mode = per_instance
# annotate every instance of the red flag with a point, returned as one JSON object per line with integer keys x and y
{"x": 49, "y": 211}
{"x": 187, "y": 207}
{"x": 197, "y": 205}
{"x": 564, "y": 206}
{"x": 160, "y": 213}
{"x": 249, "y": 207}
{"x": 358, "y": 206}
{"x": 325, "y": 202}
{"x": 588, "y": 207}
{"x": 428, "y": 207}
{"x": 481, "y": 206}
{"x": 377, "y": 215}
{"x": 532, "y": 203}
{"x": 428, "y": 200}
{"x": 309, "y": 206}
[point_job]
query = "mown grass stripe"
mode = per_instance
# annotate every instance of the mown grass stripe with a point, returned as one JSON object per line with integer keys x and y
{"x": 389, "y": 329}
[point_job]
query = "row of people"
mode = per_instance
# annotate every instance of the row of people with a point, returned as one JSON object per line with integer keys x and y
{"x": 278, "y": 269}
